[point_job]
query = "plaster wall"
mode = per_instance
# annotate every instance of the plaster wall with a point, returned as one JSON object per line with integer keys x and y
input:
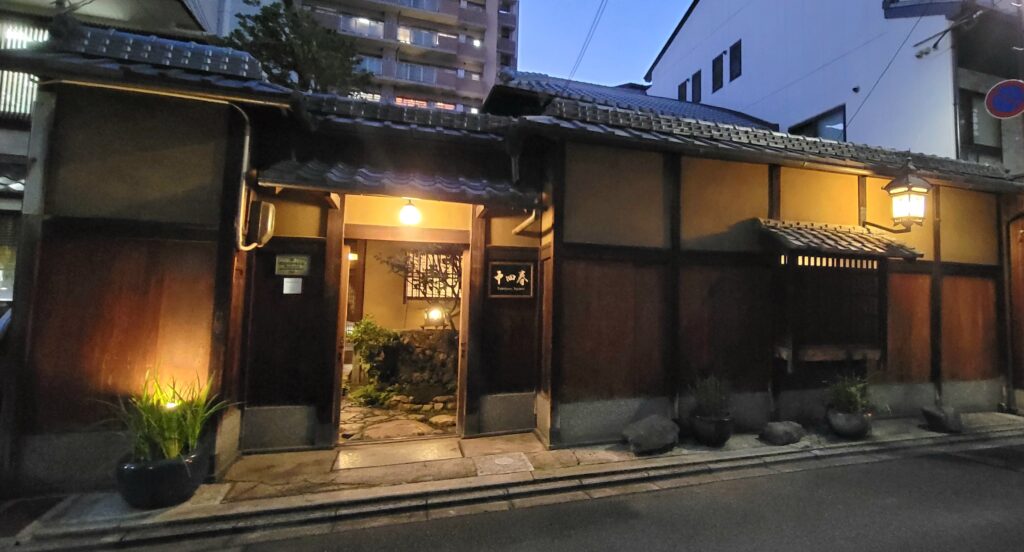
{"x": 817, "y": 196}
{"x": 717, "y": 200}
{"x": 614, "y": 197}
{"x": 127, "y": 156}
{"x": 383, "y": 211}
{"x": 969, "y": 229}
{"x": 802, "y": 58}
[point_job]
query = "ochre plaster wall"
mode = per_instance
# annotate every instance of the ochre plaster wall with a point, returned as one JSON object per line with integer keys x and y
{"x": 134, "y": 157}
{"x": 383, "y": 211}
{"x": 299, "y": 215}
{"x": 500, "y": 232}
{"x": 614, "y": 197}
{"x": 816, "y": 196}
{"x": 969, "y": 227}
{"x": 718, "y": 200}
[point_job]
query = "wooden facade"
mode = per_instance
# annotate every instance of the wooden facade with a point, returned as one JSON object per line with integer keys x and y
{"x": 650, "y": 271}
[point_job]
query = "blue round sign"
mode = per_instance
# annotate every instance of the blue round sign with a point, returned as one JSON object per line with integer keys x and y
{"x": 1006, "y": 99}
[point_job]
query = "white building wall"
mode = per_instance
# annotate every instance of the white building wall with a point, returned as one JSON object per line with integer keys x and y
{"x": 804, "y": 57}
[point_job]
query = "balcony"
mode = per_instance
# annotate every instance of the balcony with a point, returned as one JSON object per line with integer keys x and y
{"x": 473, "y": 17}
{"x": 468, "y": 51}
{"x": 471, "y": 88}
{"x": 507, "y": 46}
{"x": 440, "y": 11}
{"x": 428, "y": 46}
{"x": 508, "y": 19}
{"x": 423, "y": 76}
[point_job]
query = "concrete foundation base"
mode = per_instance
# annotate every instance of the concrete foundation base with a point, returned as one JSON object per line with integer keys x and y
{"x": 750, "y": 410}
{"x": 278, "y": 427}
{"x": 507, "y": 412}
{"x": 64, "y": 462}
{"x": 973, "y": 396}
{"x": 226, "y": 446}
{"x": 603, "y": 421}
{"x": 806, "y": 406}
{"x": 894, "y": 400}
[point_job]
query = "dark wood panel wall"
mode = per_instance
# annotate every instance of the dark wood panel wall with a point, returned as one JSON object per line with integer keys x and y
{"x": 108, "y": 311}
{"x": 511, "y": 333}
{"x": 725, "y": 324}
{"x": 970, "y": 334}
{"x": 909, "y": 341}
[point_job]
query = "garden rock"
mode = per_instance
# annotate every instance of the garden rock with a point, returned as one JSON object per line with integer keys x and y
{"x": 443, "y": 420}
{"x": 943, "y": 419}
{"x": 652, "y": 434}
{"x": 782, "y": 433}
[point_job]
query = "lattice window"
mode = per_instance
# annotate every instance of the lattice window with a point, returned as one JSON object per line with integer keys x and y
{"x": 432, "y": 275}
{"x": 18, "y": 90}
{"x": 818, "y": 261}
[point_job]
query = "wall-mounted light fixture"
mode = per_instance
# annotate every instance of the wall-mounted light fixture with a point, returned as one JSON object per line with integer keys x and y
{"x": 909, "y": 194}
{"x": 353, "y": 257}
{"x": 409, "y": 214}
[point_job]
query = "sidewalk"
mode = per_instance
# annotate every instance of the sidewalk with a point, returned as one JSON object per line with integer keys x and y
{"x": 353, "y": 486}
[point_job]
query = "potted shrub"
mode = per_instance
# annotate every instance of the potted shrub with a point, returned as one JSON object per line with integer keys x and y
{"x": 848, "y": 409}
{"x": 165, "y": 424}
{"x": 711, "y": 421}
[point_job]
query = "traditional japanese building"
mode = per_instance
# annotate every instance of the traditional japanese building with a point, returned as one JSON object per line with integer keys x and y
{"x": 649, "y": 242}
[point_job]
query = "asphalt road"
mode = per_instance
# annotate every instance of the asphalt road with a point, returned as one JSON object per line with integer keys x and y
{"x": 968, "y": 501}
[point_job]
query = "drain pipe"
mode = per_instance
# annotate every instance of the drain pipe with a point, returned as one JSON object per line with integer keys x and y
{"x": 243, "y": 190}
{"x": 526, "y": 223}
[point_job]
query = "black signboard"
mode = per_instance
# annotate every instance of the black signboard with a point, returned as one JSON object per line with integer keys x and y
{"x": 510, "y": 279}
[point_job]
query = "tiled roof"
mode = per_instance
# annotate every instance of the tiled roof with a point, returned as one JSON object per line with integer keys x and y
{"x": 339, "y": 177}
{"x": 831, "y": 239}
{"x": 71, "y": 36}
{"x": 338, "y": 109}
{"x": 630, "y": 97}
{"x": 79, "y": 51}
{"x": 740, "y": 142}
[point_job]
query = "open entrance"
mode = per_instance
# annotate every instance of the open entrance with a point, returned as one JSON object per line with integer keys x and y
{"x": 402, "y": 303}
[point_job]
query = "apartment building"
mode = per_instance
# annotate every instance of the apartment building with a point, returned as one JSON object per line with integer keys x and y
{"x": 904, "y": 74}
{"x": 443, "y": 54}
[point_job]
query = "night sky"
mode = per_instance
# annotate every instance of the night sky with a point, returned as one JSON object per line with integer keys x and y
{"x": 629, "y": 37}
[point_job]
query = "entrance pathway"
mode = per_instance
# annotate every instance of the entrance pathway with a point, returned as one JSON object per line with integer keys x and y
{"x": 302, "y": 492}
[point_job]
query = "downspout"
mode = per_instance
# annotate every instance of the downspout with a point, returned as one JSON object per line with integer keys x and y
{"x": 526, "y": 223}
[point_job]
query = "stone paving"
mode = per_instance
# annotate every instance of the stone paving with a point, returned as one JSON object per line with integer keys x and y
{"x": 401, "y": 419}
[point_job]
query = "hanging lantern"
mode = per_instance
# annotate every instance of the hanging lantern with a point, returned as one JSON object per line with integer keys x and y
{"x": 909, "y": 193}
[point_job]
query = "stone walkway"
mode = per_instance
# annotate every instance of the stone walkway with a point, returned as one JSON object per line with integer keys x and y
{"x": 401, "y": 420}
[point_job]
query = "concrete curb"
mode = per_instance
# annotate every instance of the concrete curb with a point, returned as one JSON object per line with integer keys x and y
{"x": 515, "y": 490}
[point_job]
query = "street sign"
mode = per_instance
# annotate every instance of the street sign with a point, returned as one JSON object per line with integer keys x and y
{"x": 1006, "y": 99}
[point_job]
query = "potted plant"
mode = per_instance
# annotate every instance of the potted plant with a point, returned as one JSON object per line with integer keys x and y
{"x": 711, "y": 421}
{"x": 848, "y": 408}
{"x": 165, "y": 424}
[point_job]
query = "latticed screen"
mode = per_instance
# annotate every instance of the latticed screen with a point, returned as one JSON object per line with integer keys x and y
{"x": 835, "y": 300}
{"x": 17, "y": 90}
{"x": 430, "y": 275}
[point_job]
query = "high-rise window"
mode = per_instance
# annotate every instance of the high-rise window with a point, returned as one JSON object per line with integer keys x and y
{"x": 681, "y": 90}
{"x": 419, "y": 37}
{"x": 736, "y": 60}
{"x": 981, "y": 134}
{"x": 371, "y": 64}
{"x": 17, "y": 91}
{"x": 830, "y": 125}
{"x": 695, "y": 87}
{"x": 416, "y": 72}
{"x": 363, "y": 26}
{"x": 717, "y": 70}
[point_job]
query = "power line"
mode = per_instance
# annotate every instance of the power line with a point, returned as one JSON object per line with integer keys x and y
{"x": 586, "y": 42}
{"x": 884, "y": 71}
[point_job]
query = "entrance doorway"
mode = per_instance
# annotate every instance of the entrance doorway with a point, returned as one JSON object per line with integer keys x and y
{"x": 403, "y": 303}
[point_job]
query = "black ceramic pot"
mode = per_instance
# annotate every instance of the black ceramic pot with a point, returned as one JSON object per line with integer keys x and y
{"x": 711, "y": 432}
{"x": 848, "y": 425}
{"x": 161, "y": 483}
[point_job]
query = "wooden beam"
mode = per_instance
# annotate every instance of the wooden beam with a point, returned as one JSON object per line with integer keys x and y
{"x": 862, "y": 200}
{"x": 471, "y": 328}
{"x": 558, "y": 184}
{"x": 328, "y": 407}
{"x": 935, "y": 295}
{"x": 672, "y": 190}
{"x": 333, "y": 200}
{"x": 406, "y": 234}
{"x": 774, "y": 191}
{"x": 15, "y": 370}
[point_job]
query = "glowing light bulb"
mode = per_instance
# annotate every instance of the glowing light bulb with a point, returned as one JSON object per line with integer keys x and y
{"x": 409, "y": 215}
{"x": 171, "y": 405}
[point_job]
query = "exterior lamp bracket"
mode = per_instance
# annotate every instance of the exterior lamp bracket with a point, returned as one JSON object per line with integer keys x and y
{"x": 908, "y": 193}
